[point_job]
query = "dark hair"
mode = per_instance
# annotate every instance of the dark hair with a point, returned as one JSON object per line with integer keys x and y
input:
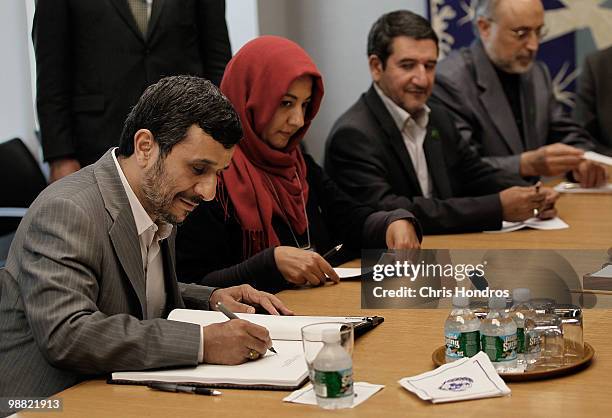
{"x": 171, "y": 106}
{"x": 394, "y": 24}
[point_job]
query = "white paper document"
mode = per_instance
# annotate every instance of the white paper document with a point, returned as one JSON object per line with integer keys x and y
{"x": 347, "y": 272}
{"x": 468, "y": 378}
{"x": 598, "y": 158}
{"x": 306, "y": 396}
{"x": 534, "y": 223}
{"x": 567, "y": 187}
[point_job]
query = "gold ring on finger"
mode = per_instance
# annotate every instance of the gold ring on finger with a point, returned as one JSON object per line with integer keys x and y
{"x": 253, "y": 354}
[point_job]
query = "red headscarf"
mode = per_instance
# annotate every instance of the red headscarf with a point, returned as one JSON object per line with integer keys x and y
{"x": 255, "y": 81}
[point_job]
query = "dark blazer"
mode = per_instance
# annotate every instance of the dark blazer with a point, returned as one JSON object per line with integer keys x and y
{"x": 594, "y": 99}
{"x": 210, "y": 248}
{"x": 469, "y": 87}
{"x": 93, "y": 64}
{"x": 73, "y": 291}
{"x": 366, "y": 156}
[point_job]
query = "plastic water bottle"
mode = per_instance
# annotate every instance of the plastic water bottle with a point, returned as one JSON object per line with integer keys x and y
{"x": 528, "y": 341}
{"x": 498, "y": 336}
{"x": 461, "y": 331}
{"x": 333, "y": 373}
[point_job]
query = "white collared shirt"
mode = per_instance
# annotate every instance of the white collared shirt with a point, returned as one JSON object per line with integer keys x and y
{"x": 414, "y": 131}
{"x": 149, "y": 235}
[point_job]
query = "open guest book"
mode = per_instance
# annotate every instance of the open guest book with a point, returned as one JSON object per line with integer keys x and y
{"x": 286, "y": 370}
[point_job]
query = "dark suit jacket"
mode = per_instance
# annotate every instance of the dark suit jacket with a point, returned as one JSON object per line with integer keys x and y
{"x": 468, "y": 86}
{"x": 594, "y": 99}
{"x": 366, "y": 156}
{"x": 93, "y": 64}
{"x": 73, "y": 292}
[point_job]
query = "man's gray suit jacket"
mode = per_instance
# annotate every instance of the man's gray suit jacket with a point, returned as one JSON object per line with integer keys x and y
{"x": 73, "y": 295}
{"x": 594, "y": 99}
{"x": 467, "y": 85}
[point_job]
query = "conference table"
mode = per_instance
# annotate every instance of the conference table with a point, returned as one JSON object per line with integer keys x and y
{"x": 401, "y": 347}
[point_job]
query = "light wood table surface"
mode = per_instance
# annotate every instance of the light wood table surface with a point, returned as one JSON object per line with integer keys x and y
{"x": 401, "y": 347}
{"x": 588, "y": 215}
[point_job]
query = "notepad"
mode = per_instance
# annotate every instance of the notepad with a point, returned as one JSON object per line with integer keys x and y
{"x": 600, "y": 280}
{"x": 286, "y": 370}
{"x": 534, "y": 223}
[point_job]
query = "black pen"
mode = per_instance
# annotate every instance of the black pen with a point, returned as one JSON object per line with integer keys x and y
{"x": 333, "y": 251}
{"x": 536, "y": 211}
{"x": 232, "y": 315}
{"x": 172, "y": 387}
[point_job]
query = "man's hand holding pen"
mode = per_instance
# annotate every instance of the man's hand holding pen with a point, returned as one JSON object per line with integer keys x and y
{"x": 547, "y": 209}
{"x": 521, "y": 203}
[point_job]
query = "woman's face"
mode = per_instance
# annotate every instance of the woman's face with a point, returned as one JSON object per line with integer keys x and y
{"x": 290, "y": 114}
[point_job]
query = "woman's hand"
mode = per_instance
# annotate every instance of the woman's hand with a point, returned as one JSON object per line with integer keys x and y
{"x": 303, "y": 267}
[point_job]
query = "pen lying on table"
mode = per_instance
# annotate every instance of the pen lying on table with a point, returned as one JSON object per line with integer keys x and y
{"x": 172, "y": 387}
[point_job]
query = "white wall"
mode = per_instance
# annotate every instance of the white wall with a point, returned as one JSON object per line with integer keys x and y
{"x": 242, "y": 23}
{"x": 334, "y": 33}
{"x": 16, "y": 105}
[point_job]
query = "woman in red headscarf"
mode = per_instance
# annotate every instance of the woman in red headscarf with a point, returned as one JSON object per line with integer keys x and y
{"x": 276, "y": 210}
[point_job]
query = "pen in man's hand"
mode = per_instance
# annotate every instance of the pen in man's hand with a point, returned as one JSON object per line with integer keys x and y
{"x": 333, "y": 251}
{"x": 536, "y": 211}
{"x": 172, "y": 387}
{"x": 232, "y": 315}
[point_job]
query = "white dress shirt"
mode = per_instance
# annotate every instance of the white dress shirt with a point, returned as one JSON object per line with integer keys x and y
{"x": 149, "y": 236}
{"x": 414, "y": 130}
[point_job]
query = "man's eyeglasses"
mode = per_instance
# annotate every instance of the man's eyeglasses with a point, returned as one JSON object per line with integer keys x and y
{"x": 523, "y": 34}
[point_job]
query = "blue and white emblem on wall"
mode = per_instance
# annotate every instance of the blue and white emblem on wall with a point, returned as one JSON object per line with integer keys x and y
{"x": 575, "y": 28}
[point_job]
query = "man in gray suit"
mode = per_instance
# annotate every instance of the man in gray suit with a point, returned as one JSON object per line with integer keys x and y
{"x": 90, "y": 276}
{"x": 503, "y": 99}
{"x": 594, "y": 99}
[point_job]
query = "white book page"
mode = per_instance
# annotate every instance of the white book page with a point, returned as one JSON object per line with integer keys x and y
{"x": 287, "y": 368}
{"x": 280, "y": 327}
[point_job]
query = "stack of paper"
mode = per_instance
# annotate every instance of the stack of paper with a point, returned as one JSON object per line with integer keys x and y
{"x": 469, "y": 378}
{"x": 535, "y": 223}
{"x": 600, "y": 280}
{"x": 567, "y": 187}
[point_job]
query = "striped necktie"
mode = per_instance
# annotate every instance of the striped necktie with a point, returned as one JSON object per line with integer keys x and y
{"x": 141, "y": 10}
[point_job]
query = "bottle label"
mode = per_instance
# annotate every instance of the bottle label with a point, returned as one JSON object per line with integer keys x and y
{"x": 520, "y": 336}
{"x": 336, "y": 384}
{"x": 462, "y": 344}
{"x": 499, "y": 348}
{"x": 532, "y": 342}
